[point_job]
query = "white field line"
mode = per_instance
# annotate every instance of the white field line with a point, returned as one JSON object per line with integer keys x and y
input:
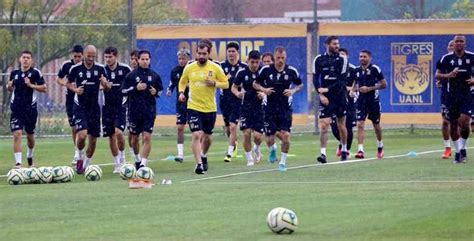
{"x": 345, "y": 182}
{"x": 309, "y": 165}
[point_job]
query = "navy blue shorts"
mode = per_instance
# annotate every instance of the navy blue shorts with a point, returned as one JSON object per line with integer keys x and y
{"x": 70, "y": 110}
{"x": 24, "y": 119}
{"x": 113, "y": 117}
{"x": 87, "y": 119}
{"x": 141, "y": 122}
{"x": 455, "y": 108}
{"x": 200, "y": 121}
{"x": 251, "y": 118}
{"x": 181, "y": 113}
{"x": 370, "y": 110}
{"x": 336, "y": 107}
{"x": 281, "y": 121}
{"x": 351, "y": 119}
{"x": 226, "y": 109}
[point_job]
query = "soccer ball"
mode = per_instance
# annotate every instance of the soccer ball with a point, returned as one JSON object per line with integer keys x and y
{"x": 282, "y": 220}
{"x": 93, "y": 173}
{"x": 31, "y": 175}
{"x": 45, "y": 174}
{"x": 15, "y": 177}
{"x": 127, "y": 171}
{"x": 60, "y": 175}
{"x": 70, "y": 172}
{"x": 145, "y": 173}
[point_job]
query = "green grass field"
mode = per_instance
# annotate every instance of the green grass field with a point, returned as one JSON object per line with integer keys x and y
{"x": 401, "y": 198}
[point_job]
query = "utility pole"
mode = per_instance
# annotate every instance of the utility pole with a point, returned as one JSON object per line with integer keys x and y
{"x": 131, "y": 32}
{"x": 314, "y": 51}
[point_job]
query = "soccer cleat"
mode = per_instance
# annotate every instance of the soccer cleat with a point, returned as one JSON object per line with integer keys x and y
{"x": 457, "y": 158}
{"x": 344, "y": 155}
{"x": 17, "y": 165}
{"x": 258, "y": 156}
{"x": 199, "y": 169}
{"x": 234, "y": 153}
{"x": 463, "y": 156}
{"x": 339, "y": 151}
{"x": 117, "y": 168}
{"x": 227, "y": 158}
{"x": 138, "y": 165}
{"x": 322, "y": 159}
{"x": 30, "y": 161}
{"x": 447, "y": 153}
{"x": 205, "y": 164}
{"x": 73, "y": 162}
{"x": 380, "y": 152}
{"x": 250, "y": 163}
{"x": 282, "y": 167}
{"x": 79, "y": 167}
{"x": 272, "y": 157}
{"x": 359, "y": 155}
{"x": 178, "y": 159}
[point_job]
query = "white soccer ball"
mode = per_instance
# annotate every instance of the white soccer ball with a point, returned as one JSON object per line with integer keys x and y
{"x": 93, "y": 173}
{"x": 282, "y": 220}
{"x": 60, "y": 175}
{"x": 70, "y": 173}
{"x": 31, "y": 175}
{"x": 127, "y": 171}
{"x": 15, "y": 177}
{"x": 45, "y": 174}
{"x": 145, "y": 173}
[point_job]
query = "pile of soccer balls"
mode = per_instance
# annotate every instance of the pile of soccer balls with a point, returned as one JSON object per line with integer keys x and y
{"x": 128, "y": 171}
{"x": 42, "y": 175}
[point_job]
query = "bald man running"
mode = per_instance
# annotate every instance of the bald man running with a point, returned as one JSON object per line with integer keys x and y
{"x": 84, "y": 80}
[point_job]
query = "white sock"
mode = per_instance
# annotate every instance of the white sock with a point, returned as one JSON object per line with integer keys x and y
{"x": 447, "y": 143}
{"x": 256, "y": 148}
{"x": 76, "y": 153}
{"x": 463, "y": 143}
{"x": 361, "y": 147}
{"x": 117, "y": 159}
{"x": 249, "y": 156}
{"x": 380, "y": 143}
{"x": 344, "y": 147}
{"x": 275, "y": 146}
{"x": 203, "y": 155}
{"x": 323, "y": 150}
{"x": 230, "y": 150}
{"x": 137, "y": 157}
{"x": 457, "y": 145}
{"x": 283, "y": 158}
{"x": 122, "y": 156}
{"x": 144, "y": 161}
{"x": 80, "y": 154}
{"x": 29, "y": 152}
{"x": 18, "y": 157}
{"x": 180, "y": 150}
{"x": 87, "y": 162}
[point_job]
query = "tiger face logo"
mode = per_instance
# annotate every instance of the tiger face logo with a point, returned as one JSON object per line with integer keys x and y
{"x": 411, "y": 79}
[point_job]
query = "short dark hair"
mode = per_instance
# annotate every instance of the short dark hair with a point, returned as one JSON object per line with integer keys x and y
{"x": 134, "y": 52}
{"x": 367, "y": 52}
{"x": 268, "y": 54}
{"x": 233, "y": 45}
{"x": 254, "y": 54}
{"x": 77, "y": 49}
{"x": 111, "y": 50}
{"x": 26, "y": 52}
{"x": 143, "y": 51}
{"x": 203, "y": 45}
{"x": 330, "y": 39}
{"x": 280, "y": 49}
{"x": 207, "y": 42}
{"x": 344, "y": 50}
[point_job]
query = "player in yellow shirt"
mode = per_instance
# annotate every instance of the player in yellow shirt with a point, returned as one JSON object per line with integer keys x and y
{"x": 203, "y": 77}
